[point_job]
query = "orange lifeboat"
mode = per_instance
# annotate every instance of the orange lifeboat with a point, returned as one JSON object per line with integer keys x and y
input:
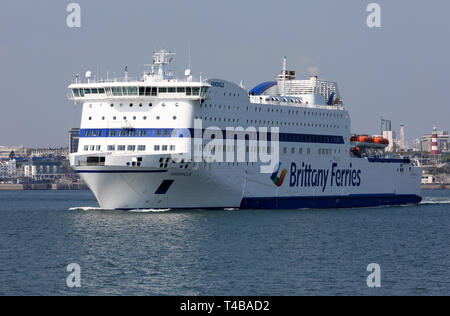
{"x": 356, "y": 151}
{"x": 354, "y": 138}
{"x": 381, "y": 140}
{"x": 365, "y": 139}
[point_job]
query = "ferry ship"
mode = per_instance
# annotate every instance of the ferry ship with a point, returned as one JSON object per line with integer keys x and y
{"x": 158, "y": 142}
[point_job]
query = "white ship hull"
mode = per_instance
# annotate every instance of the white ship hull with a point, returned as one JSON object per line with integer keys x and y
{"x": 132, "y": 131}
{"x": 239, "y": 187}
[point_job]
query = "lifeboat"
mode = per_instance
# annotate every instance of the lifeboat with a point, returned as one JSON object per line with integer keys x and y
{"x": 356, "y": 151}
{"x": 365, "y": 139}
{"x": 381, "y": 141}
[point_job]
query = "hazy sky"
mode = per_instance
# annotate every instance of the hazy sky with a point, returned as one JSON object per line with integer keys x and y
{"x": 400, "y": 71}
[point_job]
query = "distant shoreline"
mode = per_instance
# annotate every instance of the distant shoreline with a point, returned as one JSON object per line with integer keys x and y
{"x": 436, "y": 186}
{"x": 43, "y": 186}
{"x": 79, "y": 187}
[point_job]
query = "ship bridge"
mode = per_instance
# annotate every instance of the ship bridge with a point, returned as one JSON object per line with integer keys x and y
{"x": 158, "y": 82}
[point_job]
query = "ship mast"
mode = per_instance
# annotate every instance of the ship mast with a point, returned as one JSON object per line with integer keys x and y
{"x": 284, "y": 74}
{"x": 161, "y": 59}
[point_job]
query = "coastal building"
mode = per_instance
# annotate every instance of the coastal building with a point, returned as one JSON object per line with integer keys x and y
{"x": 7, "y": 151}
{"x": 443, "y": 142}
{"x": 8, "y": 169}
{"x": 50, "y": 152}
{"x": 392, "y": 141}
{"x": 402, "y": 145}
{"x": 43, "y": 169}
{"x": 427, "y": 179}
{"x": 417, "y": 145}
{"x": 386, "y": 125}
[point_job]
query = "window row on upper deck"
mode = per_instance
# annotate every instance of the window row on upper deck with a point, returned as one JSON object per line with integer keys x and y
{"x": 139, "y": 91}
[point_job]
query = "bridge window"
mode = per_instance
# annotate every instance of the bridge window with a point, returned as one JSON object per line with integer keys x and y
{"x": 141, "y": 147}
{"x": 131, "y": 147}
{"x": 117, "y": 91}
{"x": 76, "y": 92}
{"x": 121, "y": 148}
{"x": 132, "y": 91}
{"x": 111, "y": 148}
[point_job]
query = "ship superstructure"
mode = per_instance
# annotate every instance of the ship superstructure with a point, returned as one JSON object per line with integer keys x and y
{"x": 147, "y": 143}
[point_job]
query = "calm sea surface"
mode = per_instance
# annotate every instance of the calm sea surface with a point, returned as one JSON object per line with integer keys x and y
{"x": 273, "y": 252}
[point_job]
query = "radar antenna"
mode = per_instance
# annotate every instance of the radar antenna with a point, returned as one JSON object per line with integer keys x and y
{"x": 161, "y": 59}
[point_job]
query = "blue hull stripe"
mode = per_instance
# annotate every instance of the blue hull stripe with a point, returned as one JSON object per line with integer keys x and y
{"x": 180, "y": 133}
{"x": 121, "y": 171}
{"x": 369, "y": 200}
{"x": 325, "y": 202}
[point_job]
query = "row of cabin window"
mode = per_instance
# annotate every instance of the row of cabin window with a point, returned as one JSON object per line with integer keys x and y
{"x": 292, "y": 124}
{"x": 113, "y": 147}
{"x": 271, "y": 110}
{"x": 138, "y": 91}
{"x": 134, "y": 118}
{"x": 321, "y": 151}
{"x": 224, "y": 148}
{"x": 125, "y": 133}
{"x": 139, "y": 148}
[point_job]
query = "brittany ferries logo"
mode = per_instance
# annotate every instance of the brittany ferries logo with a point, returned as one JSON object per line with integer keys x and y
{"x": 278, "y": 181}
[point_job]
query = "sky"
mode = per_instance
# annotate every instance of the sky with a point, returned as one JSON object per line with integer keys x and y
{"x": 399, "y": 71}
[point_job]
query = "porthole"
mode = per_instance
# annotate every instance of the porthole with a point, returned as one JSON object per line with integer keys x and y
{"x": 112, "y": 105}
{"x": 140, "y": 105}
{"x": 131, "y": 105}
{"x": 134, "y": 118}
{"x": 157, "y": 117}
{"x": 174, "y": 117}
{"x": 114, "y": 118}
{"x": 124, "y": 118}
{"x": 163, "y": 105}
{"x": 103, "y": 118}
{"x": 90, "y": 118}
{"x": 145, "y": 117}
{"x": 150, "y": 104}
